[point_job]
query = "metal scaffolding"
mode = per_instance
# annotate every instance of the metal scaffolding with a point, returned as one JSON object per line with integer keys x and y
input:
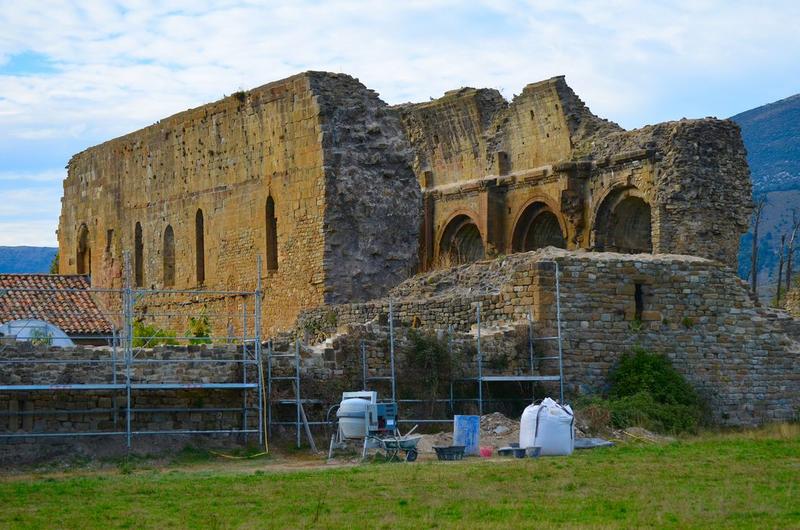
{"x": 481, "y": 378}
{"x": 300, "y": 419}
{"x": 134, "y": 350}
{"x": 293, "y": 375}
{"x": 532, "y": 377}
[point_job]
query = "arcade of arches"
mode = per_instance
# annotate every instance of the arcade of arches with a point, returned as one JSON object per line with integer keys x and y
{"x": 622, "y": 223}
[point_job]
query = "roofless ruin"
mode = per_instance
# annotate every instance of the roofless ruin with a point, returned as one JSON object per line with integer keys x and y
{"x": 344, "y": 196}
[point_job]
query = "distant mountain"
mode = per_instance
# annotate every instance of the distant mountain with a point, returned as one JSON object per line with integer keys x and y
{"x": 771, "y": 134}
{"x": 26, "y": 259}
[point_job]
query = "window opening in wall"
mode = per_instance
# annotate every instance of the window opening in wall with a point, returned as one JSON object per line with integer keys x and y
{"x": 638, "y": 297}
{"x": 138, "y": 255}
{"x": 109, "y": 239}
{"x": 200, "y": 247}
{"x": 169, "y": 257}
{"x": 538, "y": 227}
{"x": 84, "y": 254}
{"x": 532, "y": 115}
{"x": 461, "y": 242}
{"x": 272, "y": 235}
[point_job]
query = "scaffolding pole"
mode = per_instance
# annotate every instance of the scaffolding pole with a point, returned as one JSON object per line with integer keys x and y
{"x": 257, "y": 340}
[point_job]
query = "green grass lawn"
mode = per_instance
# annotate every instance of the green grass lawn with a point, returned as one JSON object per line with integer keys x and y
{"x": 722, "y": 480}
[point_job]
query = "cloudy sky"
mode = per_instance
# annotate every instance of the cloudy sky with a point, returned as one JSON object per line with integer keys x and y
{"x": 73, "y": 74}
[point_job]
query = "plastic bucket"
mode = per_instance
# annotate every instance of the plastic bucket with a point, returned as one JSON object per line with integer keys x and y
{"x": 486, "y": 452}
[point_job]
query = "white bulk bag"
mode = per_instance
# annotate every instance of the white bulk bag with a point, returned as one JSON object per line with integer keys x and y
{"x": 550, "y": 426}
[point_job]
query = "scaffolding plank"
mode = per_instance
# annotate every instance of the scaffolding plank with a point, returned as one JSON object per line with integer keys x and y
{"x": 189, "y": 386}
{"x": 490, "y": 378}
{"x": 86, "y": 386}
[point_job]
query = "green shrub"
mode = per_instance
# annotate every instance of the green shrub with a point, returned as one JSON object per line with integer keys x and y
{"x": 647, "y": 391}
{"x": 429, "y": 365}
{"x": 200, "y": 329}
{"x": 145, "y": 336}
{"x": 650, "y": 373}
{"x": 644, "y": 411}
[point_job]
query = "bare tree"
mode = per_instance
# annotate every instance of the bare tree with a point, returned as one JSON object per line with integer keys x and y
{"x": 757, "y": 211}
{"x": 790, "y": 250}
{"x": 780, "y": 272}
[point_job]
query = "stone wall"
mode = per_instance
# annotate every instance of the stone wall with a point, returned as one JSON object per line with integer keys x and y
{"x": 500, "y": 165}
{"x": 743, "y": 358}
{"x": 373, "y": 201}
{"x": 67, "y": 411}
{"x": 343, "y": 196}
{"x": 316, "y": 162}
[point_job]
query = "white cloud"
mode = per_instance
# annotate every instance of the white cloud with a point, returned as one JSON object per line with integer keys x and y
{"x": 39, "y": 233}
{"x": 117, "y": 66}
{"x": 52, "y": 176}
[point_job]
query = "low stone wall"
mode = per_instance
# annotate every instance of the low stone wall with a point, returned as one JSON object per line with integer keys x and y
{"x": 743, "y": 358}
{"x": 62, "y": 411}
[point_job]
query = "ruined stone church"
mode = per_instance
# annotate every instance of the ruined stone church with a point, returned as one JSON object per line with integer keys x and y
{"x": 344, "y": 196}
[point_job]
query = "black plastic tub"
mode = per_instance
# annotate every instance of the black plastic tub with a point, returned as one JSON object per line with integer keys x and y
{"x": 452, "y": 452}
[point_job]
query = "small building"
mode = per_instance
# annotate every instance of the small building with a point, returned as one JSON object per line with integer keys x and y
{"x": 63, "y": 301}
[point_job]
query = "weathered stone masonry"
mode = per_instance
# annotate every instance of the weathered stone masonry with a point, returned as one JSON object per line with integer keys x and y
{"x": 344, "y": 197}
{"x": 542, "y": 170}
{"x": 312, "y": 173}
{"x": 65, "y": 411}
{"x": 743, "y": 358}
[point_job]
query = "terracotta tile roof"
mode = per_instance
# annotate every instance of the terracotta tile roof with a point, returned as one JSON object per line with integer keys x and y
{"x": 62, "y": 300}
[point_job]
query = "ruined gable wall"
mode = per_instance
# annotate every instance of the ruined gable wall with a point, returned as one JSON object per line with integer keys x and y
{"x": 373, "y": 200}
{"x": 225, "y": 158}
{"x": 699, "y": 188}
{"x": 449, "y": 135}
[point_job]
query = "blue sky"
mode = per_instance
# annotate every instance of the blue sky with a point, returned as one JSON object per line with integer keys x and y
{"x": 73, "y": 74}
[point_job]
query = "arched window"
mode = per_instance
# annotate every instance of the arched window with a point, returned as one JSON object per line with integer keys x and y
{"x": 199, "y": 247}
{"x": 138, "y": 256}
{"x": 538, "y": 227}
{"x": 623, "y": 223}
{"x": 461, "y": 241}
{"x": 84, "y": 254}
{"x": 272, "y": 236}
{"x": 169, "y": 257}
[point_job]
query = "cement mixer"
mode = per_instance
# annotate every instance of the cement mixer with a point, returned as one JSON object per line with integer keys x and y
{"x": 362, "y": 419}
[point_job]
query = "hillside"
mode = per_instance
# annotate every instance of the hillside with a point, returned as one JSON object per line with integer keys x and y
{"x": 772, "y": 136}
{"x": 26, "y": 259}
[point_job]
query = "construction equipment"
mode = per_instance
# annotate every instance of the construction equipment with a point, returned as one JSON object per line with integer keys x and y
{"x": 361, "y": 418}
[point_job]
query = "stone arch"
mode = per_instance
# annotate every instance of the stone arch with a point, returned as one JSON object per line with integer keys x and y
{"x": 537, "y": 226}
{"x": 169, "y": 257}
{"x": 138, "y": 256}
{"x": 83, "y": 256}
{"x": 199, "y": 247}
{"x": 623, "y": 222}
{"x": 271, "y": 235}
{"x": 461, "y": 240}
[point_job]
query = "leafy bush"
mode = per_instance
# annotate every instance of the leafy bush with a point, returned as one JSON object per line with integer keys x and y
{"x": 653, "y": 374}
{"x": 145, "y": 336}
{"x": 200, "y": 329}
{"x": 429, "y": 364}
{"x": 647, "y": 391}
